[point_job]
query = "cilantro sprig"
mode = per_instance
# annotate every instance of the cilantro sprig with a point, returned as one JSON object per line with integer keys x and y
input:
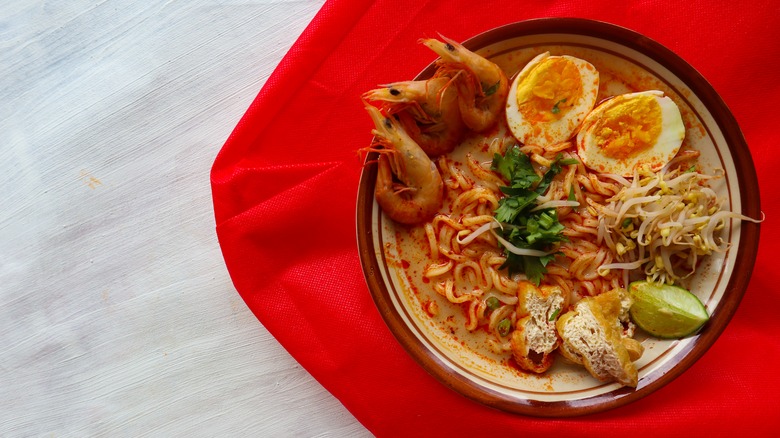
{"x": 523, "y": 228}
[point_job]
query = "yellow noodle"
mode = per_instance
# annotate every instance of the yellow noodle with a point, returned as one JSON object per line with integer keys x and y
{"x": 471, "y": 273}
{"x": 557, "y": 270}
{"x": 531, "y": 149}
{"x": 541, "y": 160}
{"x": 499, "y": 314}
{"x": 448, "y": 290}
{"x": 437, "y": 270}
{"x": 555, "y": 148}
{"x": 440, "y": 219}
{"x": 468, "y": 271}
{"x": 444, "y": 170}
{"x": 484, "y": 264}
{"x": 502, "y": 283}
{"x": 452, "y": 255}
{"x": 581, "y": 230}
{"x": 561, "y": 281}
{"x": 472, "y": 318}
{"x": 475, "y": 195}
{"x": 463, "y": 182}
{"x": 477, "y": 220}
{"x": 489, "y": 179}
{"x": 430, "y": 234}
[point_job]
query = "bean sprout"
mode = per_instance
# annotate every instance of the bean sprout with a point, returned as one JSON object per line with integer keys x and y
{"x": 663, "y": 222}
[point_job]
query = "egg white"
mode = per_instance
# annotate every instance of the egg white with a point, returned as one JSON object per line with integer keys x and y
{"x": 655, "y": 157}
{"x": 557, "y": 131}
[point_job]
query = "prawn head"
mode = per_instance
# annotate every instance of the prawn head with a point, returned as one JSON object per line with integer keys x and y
{"x": 482, "y": 85}
{"x": 428, "y": 110}
{"x": 409, "y": 188}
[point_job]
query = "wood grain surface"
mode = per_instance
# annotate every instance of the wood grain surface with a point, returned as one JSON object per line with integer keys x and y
{"x": 117, "y": 315}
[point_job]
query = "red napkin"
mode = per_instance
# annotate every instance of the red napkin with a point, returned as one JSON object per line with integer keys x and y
{"x": 285, "y": 186}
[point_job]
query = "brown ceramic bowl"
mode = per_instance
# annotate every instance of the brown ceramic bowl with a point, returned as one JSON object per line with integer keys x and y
{"x": 630, "y": 62}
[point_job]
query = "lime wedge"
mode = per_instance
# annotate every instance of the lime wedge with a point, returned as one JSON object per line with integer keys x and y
{"x": 666, "y": 311}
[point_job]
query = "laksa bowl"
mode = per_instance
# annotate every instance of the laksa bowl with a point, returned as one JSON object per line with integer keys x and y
{"x": 436, "y": 331}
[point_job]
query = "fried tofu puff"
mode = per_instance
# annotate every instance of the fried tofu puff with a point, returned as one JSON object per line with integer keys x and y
{"x": 535, "y": 337}
{"x": 592, "y": 335}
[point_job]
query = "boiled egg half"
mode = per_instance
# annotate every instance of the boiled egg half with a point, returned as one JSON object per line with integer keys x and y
{"x": 549, "y": 99}
{"x": 631, "y": 131}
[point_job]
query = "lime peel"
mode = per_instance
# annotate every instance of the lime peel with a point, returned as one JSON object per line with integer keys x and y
{"x": 666, "y": 311}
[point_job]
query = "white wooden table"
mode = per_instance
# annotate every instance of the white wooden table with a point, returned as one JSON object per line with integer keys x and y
{"x": 117, "y": 315}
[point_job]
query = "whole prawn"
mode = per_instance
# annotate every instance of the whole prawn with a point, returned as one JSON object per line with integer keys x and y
{"x": 419, "y": 192}
{"x": 482, "y": 85}
{"x": 428, "y": 110}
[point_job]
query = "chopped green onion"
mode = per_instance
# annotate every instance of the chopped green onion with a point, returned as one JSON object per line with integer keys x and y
{"x": 504, "y": 327}
{"x": 555, "y": 314}
{"x": 568, "y": 161}
{"x": 493, "y": 303}
{"x": 627, "y": 222}
{"x": 555, "y": 109}
{"x": 546, "y": 221}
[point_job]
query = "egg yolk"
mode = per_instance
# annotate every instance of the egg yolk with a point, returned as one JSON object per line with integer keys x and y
{"x": 629, "y": 127}
{"x": 549, "y": 90}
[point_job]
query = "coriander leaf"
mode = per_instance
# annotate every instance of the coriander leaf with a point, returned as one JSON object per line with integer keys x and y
{"x": 534, "y": 269}
{"x": 518, "y": 191}
{"x": 521, "y": 227}
{"x": 516, "y": 168}
{"x": 513, "y": 263}
{"x": 490, "y": 90}
{"x": 505, "y": 212}
{"x": 547, "y": 179}
{"x": 523, "y": 175}
{"x": 504, "y": 165}
{"x": 555, "y": 169}
{"x": 510, "y": 207}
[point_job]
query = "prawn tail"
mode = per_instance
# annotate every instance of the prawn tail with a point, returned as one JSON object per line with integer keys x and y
{"x": 389, "y": 194}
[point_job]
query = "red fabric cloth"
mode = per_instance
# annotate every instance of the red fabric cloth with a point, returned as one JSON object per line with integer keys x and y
{"x": 285, "y": 186}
